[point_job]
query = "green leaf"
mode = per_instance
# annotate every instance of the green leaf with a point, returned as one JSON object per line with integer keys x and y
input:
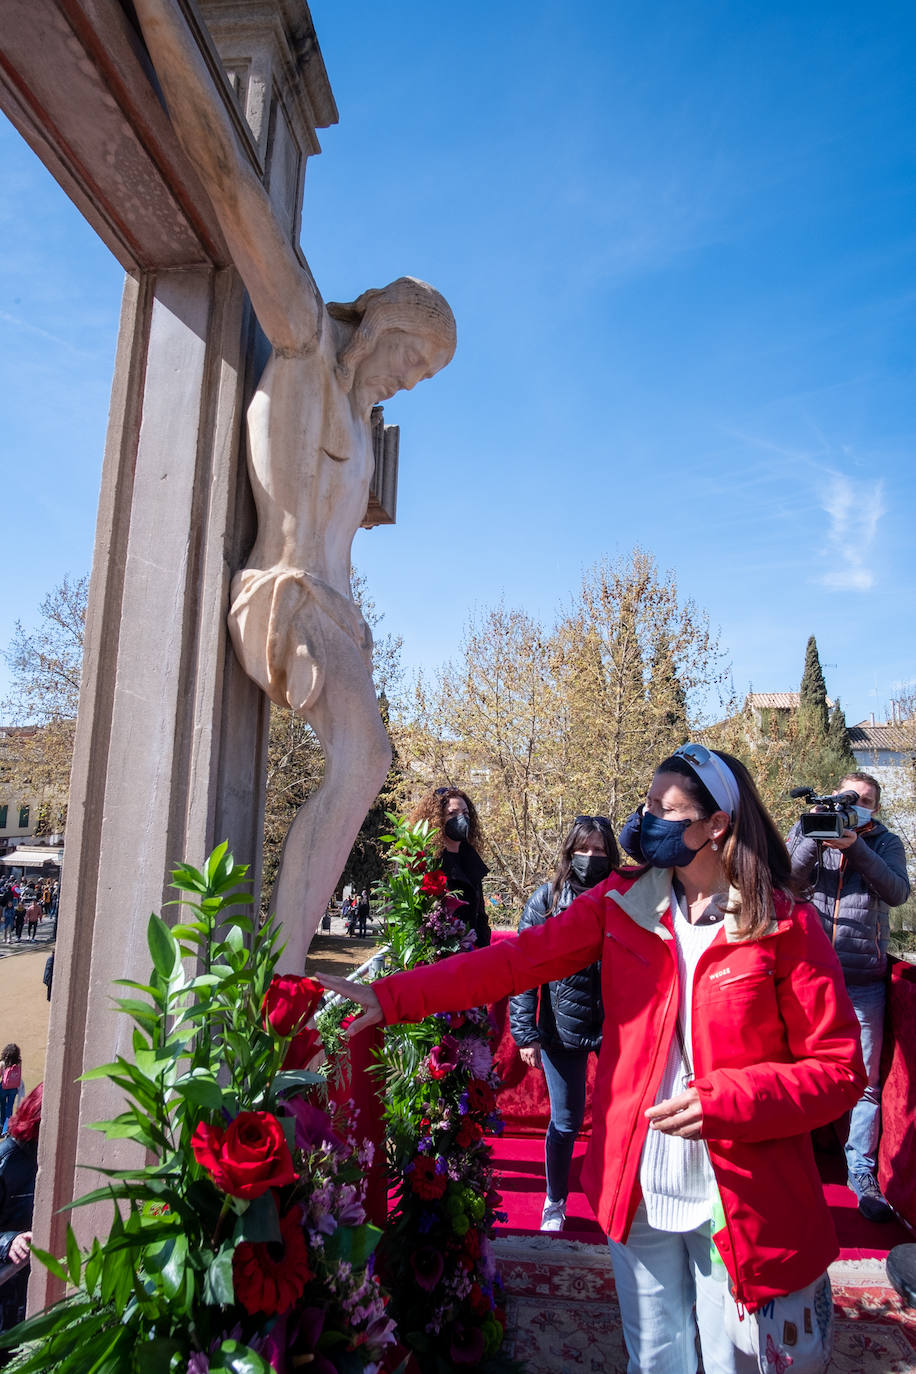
{"x": 74, "y": 1258}
{"x": 52, "y": 1264}
{"x": 201, "y": 1089}
{"x": 163, "y": 947}
{"x": 155, "y": 1356}
{"x": 295, "y": 1078}
{"x": 352, "y": 1243}
{"x": 235, "y": 1358}
{"x": 259, "y": 1222}
{"x": 218, "y": 1286}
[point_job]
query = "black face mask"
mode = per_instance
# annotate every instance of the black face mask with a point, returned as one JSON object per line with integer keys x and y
{"x": 587, "y": 869}
{"x": 457, "y": 826}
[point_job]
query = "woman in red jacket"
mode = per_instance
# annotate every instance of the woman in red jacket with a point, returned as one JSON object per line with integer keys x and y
{"x": 727, "y": 1037}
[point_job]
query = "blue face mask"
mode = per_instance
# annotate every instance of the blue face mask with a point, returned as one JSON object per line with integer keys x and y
{"x": 662, "y": 842}
{"x": 863, "y": 816}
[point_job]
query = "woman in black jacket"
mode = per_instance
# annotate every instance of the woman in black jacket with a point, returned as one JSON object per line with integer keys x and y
{"x": 451, "y": 813}
{"x": 557, "y": 1026}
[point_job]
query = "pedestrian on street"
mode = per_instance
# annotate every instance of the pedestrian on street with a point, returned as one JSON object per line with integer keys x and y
{"x": 33, "y": 914}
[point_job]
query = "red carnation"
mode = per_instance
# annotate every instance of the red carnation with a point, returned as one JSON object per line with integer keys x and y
{"x": 434, "y": 884}
{"x": 471, "y": 1243}
{"x": 424, "y": 1180}
{"x": 289, "y": 1002}
{"x": 248, "y": 1157}
{"x": 481, "y": 1097}
{"x": 469, "y": 1132}
{"x": 266, "y": 1281}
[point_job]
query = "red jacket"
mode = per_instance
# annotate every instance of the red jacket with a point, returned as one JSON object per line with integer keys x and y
{"x": 775, "y": 1053}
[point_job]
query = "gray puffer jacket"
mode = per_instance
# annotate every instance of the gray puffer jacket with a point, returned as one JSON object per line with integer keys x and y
{"x": 853, "y": 889}
{"x": 568, "y": 1012}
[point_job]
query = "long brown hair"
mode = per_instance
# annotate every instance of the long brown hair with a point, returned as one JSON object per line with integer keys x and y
{"x": 754, "y": 855}
{"x": 431, "y": 808}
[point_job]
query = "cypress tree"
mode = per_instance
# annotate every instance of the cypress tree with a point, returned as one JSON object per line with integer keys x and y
{"x": 813, "y": 720}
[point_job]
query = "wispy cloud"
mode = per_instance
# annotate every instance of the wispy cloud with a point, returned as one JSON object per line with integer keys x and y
{"x": 854, "y": 509}
{"x": 18, "y": 323}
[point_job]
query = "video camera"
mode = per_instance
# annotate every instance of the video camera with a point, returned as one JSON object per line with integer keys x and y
{"x": 827, "y": 817}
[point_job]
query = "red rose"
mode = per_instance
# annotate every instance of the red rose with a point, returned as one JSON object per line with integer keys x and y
{"x": 434, "y": 884}
{"x": 289, "y": 1002}
{"x": 266, "y": 1282}
{"x": 424, "y": 1180}
{"x": 248, "y": 1157}
{"x": 302, "y": 1050}
{"x": 472, "y": 1243}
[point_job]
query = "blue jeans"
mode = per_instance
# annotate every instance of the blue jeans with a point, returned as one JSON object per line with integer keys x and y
{"x": 865, "y": 1121}
{"x": 7, "y": 1103}
{"x": 660, "y": 1276}
{"x": 565, "y": 1072}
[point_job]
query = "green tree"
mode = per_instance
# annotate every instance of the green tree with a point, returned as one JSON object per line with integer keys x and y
{"x": 813, "y": 719}
{"x": 45, "y": 669}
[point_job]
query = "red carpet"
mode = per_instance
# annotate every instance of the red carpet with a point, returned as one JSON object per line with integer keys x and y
{"x": 520, "y": 1166}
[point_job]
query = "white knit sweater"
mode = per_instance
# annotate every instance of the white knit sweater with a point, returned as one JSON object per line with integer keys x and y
{"x": 675, "y": 1174}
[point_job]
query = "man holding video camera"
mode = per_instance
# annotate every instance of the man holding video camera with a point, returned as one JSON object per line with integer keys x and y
{"x": 857, "y": 875}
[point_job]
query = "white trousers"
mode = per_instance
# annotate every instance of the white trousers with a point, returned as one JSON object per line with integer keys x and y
{"x": 661, "y": 1278}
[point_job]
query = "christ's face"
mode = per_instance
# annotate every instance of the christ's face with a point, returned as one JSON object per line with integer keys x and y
{"x": 397, "y": 362}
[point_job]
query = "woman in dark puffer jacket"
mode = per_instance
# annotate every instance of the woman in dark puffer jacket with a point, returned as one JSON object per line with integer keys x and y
{"x": 557, "y": 1026}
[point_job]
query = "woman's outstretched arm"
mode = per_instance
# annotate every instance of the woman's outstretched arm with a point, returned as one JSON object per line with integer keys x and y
{"x": 285, "y": 298}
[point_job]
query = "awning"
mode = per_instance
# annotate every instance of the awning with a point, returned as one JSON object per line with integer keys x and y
{"x": 33, "y": 856}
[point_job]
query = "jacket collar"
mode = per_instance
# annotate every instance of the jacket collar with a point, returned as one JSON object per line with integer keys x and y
{"x": 647, "y": 902}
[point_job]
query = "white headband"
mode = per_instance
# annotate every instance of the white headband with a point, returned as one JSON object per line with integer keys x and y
{"x": 714, "y": 773}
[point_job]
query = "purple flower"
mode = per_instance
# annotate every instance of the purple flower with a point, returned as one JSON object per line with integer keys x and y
{"x": 198, "y": 1363}
{"x": 314, "y": 1128}
{"x": 441, "y": 1164}
{"x": 426, "y": 1222}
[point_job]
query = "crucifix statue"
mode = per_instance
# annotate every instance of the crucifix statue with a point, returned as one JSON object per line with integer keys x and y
{"x": 294, "y": 624}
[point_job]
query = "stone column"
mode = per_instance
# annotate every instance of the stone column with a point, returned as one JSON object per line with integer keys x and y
{"x": 171, "y": 739}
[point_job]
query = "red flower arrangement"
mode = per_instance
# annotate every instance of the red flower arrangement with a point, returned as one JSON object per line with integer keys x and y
{"x": 247, "y": 1157}
{"x": 289, "y": 1002}
{"x": 266, "y": 1281}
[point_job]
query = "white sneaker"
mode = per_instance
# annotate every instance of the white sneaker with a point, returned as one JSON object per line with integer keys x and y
{"x": 553, "y": 1215}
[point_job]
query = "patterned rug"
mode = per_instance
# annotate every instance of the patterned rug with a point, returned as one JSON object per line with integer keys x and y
{"x": 563, "y": 1316}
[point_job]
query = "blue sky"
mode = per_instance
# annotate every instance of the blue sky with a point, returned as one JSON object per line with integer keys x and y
{"x": 679, "y": 241}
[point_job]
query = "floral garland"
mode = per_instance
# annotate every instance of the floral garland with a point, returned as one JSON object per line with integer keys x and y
{"x": 440, "y": 1086}
{"x": 243, "y": 1248}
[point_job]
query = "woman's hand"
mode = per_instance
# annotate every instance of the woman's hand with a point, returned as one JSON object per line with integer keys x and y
{"x": 530, "y": 1055}
{"x": 681, "y": 1115}
{"x": 20, "y": 1247}
{"x": 355, "y": 992}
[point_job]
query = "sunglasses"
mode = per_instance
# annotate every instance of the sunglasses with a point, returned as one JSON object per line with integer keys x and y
{"x": 601, "y": 821}
{"x": 694, "y": 753}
